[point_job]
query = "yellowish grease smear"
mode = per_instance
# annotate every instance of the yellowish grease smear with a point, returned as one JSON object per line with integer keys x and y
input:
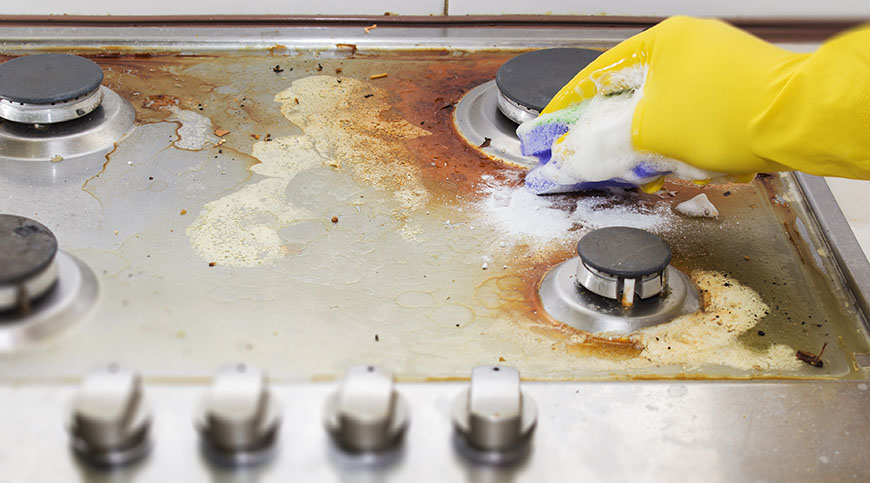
{"x": 694, "y": 343}
{"x": 343, "y": 128}
{"x": 241, "y": 229}
{"x": 357, "y": 132}
{"x": 710, "y": 337}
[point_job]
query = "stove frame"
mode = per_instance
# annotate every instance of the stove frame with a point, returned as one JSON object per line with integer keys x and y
{"x": 735, "y": 430}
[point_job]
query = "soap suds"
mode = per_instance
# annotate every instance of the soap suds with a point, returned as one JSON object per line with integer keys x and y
{"x": 519, "y": 213}
{"x": 698, "y": 207}
{"x": 597, "y": 146}
{"x": 241, "y": 229}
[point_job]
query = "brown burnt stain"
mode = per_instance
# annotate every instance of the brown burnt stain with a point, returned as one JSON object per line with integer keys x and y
{"x": 449, "y": 166}
{"x": 352, "y": 48}
{"x": 519, "y": 295}
{"x": 102, "y": 170}
{"x": 278, "y": 49}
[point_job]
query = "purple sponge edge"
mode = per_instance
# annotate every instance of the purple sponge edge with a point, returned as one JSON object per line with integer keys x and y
{"x": 540, "y": 139}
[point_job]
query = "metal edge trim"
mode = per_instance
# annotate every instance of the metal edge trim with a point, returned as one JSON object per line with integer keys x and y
{"x": 769, "y": 28}
{"x": 844, "y": 245}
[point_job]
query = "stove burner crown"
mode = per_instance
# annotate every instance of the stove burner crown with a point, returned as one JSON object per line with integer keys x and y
{"x": 621, "y": 251}
{"x": 49, "y": 88}
{"x": 529, "y": 81}
{"x": 48, "y": 78}
{"x": 26, "y": 249}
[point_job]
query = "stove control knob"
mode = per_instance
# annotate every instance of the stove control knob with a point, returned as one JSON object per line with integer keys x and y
{"x": 110, "y": 419}
{"x": 493, "y": 418}
{"x": 238, "y": 417}
{"x": 366, "y": 414}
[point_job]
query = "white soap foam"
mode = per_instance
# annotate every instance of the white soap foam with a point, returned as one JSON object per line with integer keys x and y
{"x": 698, "y": 207}
{"x": 519, "y": 213}
{"x": 598, "y": 146}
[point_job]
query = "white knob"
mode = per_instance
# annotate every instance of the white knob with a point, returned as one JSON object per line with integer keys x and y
{"x": 239, "y": 417}
{"x": 109, "y": 420}
{"x": 493, "y": 418}
{"x": 366, "y": 414}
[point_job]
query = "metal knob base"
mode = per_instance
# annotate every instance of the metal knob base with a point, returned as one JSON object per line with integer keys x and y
{"x": 493, "y": 419}
{"x": 238, "y": 418}
{"x": 366, "y": 416}
{"x": 110, "y": 418}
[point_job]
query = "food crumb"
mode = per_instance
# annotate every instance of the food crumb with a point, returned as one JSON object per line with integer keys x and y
{"x": 501, "y": 359}
{"x": 211, "y": 264}
{"x": 746, "y": 257}
{"x": 370, "y": 27}
{"x": 484, "y": 266}
{"x": 335, "y": 219}
{"x": 377, "y": 76}
{"x": 255, "y": 136}
{"x": 56, "y": 158}
{"x": 221, "y": 132}
{"x": 485, "y": 144}
{"x": 338, "y": 70}
{"x": 182, "y": 212}
{"x": 368, "y": 95}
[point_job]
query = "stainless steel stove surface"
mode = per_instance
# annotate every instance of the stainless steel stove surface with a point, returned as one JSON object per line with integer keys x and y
{"x": 325, "y": 207}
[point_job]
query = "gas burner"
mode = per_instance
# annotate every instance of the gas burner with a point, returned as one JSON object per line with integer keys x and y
{"x": 523, "y": 86}
{"x": 620, "y": 282}
{"x": 53, "y": 107}
{"x": 42, "y": 290}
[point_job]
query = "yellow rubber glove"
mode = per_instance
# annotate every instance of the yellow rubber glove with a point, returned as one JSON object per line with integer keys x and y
{"x": 719, "y": 99}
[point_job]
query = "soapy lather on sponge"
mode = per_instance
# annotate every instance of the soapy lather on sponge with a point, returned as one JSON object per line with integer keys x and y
{"x": 700, "y": 100}
{"x": 587, "y": 145}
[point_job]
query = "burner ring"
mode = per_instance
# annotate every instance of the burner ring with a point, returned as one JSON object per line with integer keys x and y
{"x": 51, "y": 113}
{"x": 49, "y": 88}
{"x": 569, "y": 304}
{"x": 91, "y": 133}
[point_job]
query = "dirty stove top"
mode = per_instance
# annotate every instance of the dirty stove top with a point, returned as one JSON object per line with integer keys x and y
{"x": 307, "y": 208}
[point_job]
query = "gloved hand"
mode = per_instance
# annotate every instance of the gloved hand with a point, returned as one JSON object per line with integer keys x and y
{"x": 704, "y": 101}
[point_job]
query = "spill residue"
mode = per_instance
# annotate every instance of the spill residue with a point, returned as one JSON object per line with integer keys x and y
{"x": 356, "y": 130}
{"x": 242, "y": 228}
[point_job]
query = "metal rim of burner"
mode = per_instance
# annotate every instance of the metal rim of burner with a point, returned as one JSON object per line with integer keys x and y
{"x": 51, "y": 113}
{"x": 43, "y": 291}
{"x": 642, "y": 292}
{"x": 490, "y": 112}
{"x": 67, "y": 116}
{"x": 49, "y": 88}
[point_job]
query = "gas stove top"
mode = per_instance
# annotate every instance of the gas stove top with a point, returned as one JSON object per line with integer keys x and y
{"x": 342, "y": 211}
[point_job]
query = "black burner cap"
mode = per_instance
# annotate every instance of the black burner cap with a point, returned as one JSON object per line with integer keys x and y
{"x": 624, "y": 252}
{"x": 47, "y": 78}
{"x": 26, "y": 249}
{"x": 533, "y": 78}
